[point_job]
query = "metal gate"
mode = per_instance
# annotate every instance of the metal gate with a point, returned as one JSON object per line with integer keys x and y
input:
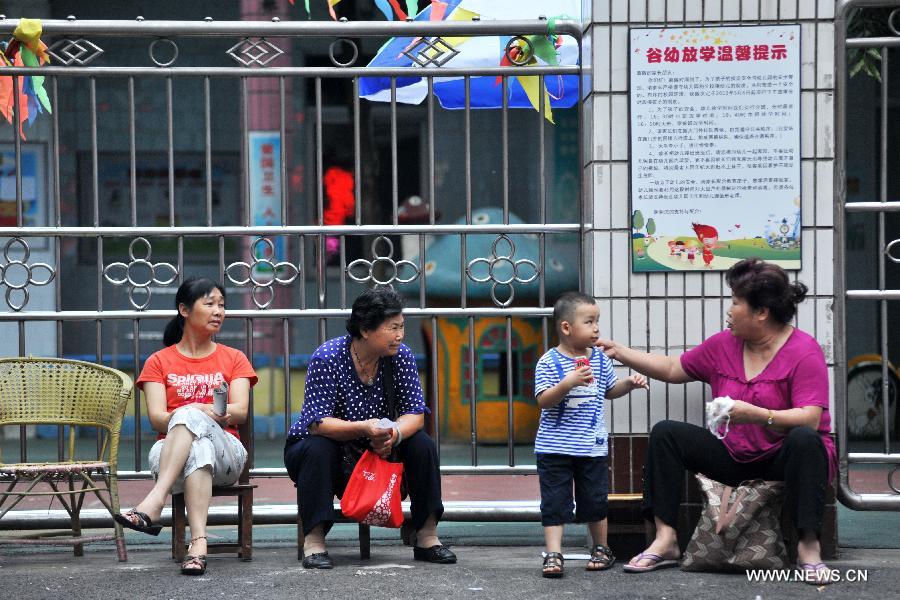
{"x": 118, "y": 258}
{"x": 888, "y": 250}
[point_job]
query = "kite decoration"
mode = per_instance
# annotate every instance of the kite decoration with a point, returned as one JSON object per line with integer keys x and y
{"x": 472, "y": 52}
{"x": 25, "y": 49}
{"x": 553, "y": 50}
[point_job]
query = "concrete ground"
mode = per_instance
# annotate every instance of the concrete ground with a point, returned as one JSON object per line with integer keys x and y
{"x": 483, "y": 571}
{"x": 496, "y": 560}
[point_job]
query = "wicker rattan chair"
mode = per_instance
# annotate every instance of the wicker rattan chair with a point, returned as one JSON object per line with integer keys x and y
{"x": 69, "y": 393}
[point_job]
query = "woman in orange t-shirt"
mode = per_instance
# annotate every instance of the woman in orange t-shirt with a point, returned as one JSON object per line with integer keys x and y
{"x": 196, "y": 448}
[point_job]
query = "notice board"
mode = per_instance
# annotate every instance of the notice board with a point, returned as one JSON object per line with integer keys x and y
{"x": 715, "y": 147}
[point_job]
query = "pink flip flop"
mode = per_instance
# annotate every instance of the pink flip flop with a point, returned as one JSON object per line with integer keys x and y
{"x": 816, "y": 573}
{"x": 657, "y": 562}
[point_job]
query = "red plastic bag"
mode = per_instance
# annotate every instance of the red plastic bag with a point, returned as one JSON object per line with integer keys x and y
{"x": 372, "y": 496}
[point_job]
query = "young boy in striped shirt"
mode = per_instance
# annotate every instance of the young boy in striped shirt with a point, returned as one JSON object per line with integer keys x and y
{"x": 571, "y": 443}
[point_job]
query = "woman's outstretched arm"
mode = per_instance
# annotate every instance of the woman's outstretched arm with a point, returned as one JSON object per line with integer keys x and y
{"x": 656, "y": 366}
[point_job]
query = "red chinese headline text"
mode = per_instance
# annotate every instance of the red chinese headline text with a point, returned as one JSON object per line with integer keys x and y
{"x": 717, "y": 53}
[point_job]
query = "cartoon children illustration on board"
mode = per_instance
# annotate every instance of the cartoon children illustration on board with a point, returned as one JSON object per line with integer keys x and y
{"x": 709, "y": 237}
{"x": 691, "y": 254}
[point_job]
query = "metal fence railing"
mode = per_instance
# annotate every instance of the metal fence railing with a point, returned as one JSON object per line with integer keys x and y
{"x": 141, "y": 113}
{"x": 888, "y": 251}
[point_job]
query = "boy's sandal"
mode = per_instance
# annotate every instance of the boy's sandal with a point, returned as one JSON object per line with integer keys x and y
{"x": 553, "y": 565}
{"x": 601, "y": 559}
{"x": 135, "y": 519}
{"x": 816, "y": 573}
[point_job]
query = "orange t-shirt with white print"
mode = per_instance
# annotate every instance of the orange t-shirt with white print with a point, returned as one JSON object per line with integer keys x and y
{"x": 189, "y": 380}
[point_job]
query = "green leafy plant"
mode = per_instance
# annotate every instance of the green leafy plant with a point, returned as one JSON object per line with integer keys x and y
{"x": 867, "y": 23}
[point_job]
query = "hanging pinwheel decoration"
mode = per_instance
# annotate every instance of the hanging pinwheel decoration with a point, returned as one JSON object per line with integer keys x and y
{"x": 25, "y": 49}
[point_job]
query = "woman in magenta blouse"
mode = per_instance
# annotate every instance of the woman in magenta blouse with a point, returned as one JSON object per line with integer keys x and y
{"x": 780, "y": 423}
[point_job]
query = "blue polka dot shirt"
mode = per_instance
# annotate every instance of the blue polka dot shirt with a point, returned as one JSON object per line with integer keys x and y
{"x": 333, "y": 388}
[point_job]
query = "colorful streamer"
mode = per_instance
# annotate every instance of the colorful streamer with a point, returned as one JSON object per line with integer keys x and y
{"x": 25, "y": 49}
{"x": 400, "y": 14}
{"x": 331, "y": 12}
{"x": 438, "y": 10}
{"x": 385, "y": 9}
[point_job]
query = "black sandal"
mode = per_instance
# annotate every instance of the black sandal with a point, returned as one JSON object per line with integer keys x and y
{"x": 553, "y": 560}
{"x": 143, "y": 523}
{"x": 187, "y": 567}
{"x": 191, "y": 560}
{"x": 601, "y": 559}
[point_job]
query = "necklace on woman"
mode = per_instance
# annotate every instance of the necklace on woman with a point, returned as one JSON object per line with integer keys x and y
{"x": 368, "y": 379}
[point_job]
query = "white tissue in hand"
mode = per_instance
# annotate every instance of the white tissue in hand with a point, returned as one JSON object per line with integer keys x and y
{"x": 719, "y": 407}
{"x": 386, "y": 423}
{"x": 718, "y": 413}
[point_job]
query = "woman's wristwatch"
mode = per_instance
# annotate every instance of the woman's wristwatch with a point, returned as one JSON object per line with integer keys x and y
{"x": 770, "y": 420}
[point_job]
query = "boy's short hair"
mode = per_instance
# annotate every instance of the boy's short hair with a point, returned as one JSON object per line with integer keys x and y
{"x": 565, "y": 306}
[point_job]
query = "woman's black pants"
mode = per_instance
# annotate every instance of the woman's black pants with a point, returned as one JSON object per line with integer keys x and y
{"x": 676, "y": 447}
{"x": 314, "y": 463}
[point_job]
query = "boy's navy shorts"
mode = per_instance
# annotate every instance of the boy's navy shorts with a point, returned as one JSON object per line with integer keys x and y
{"x": 557, "y": 473}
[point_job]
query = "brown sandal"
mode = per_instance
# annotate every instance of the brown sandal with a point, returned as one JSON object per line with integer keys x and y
{"x": 601, "y": 559}
{"x": 553, "y": 560}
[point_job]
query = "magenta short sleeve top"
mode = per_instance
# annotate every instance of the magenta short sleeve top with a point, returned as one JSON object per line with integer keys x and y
{"x": 795, "y": 377}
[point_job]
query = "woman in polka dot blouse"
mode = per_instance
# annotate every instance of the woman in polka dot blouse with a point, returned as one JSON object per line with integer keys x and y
{"x": 343, "y": 403}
